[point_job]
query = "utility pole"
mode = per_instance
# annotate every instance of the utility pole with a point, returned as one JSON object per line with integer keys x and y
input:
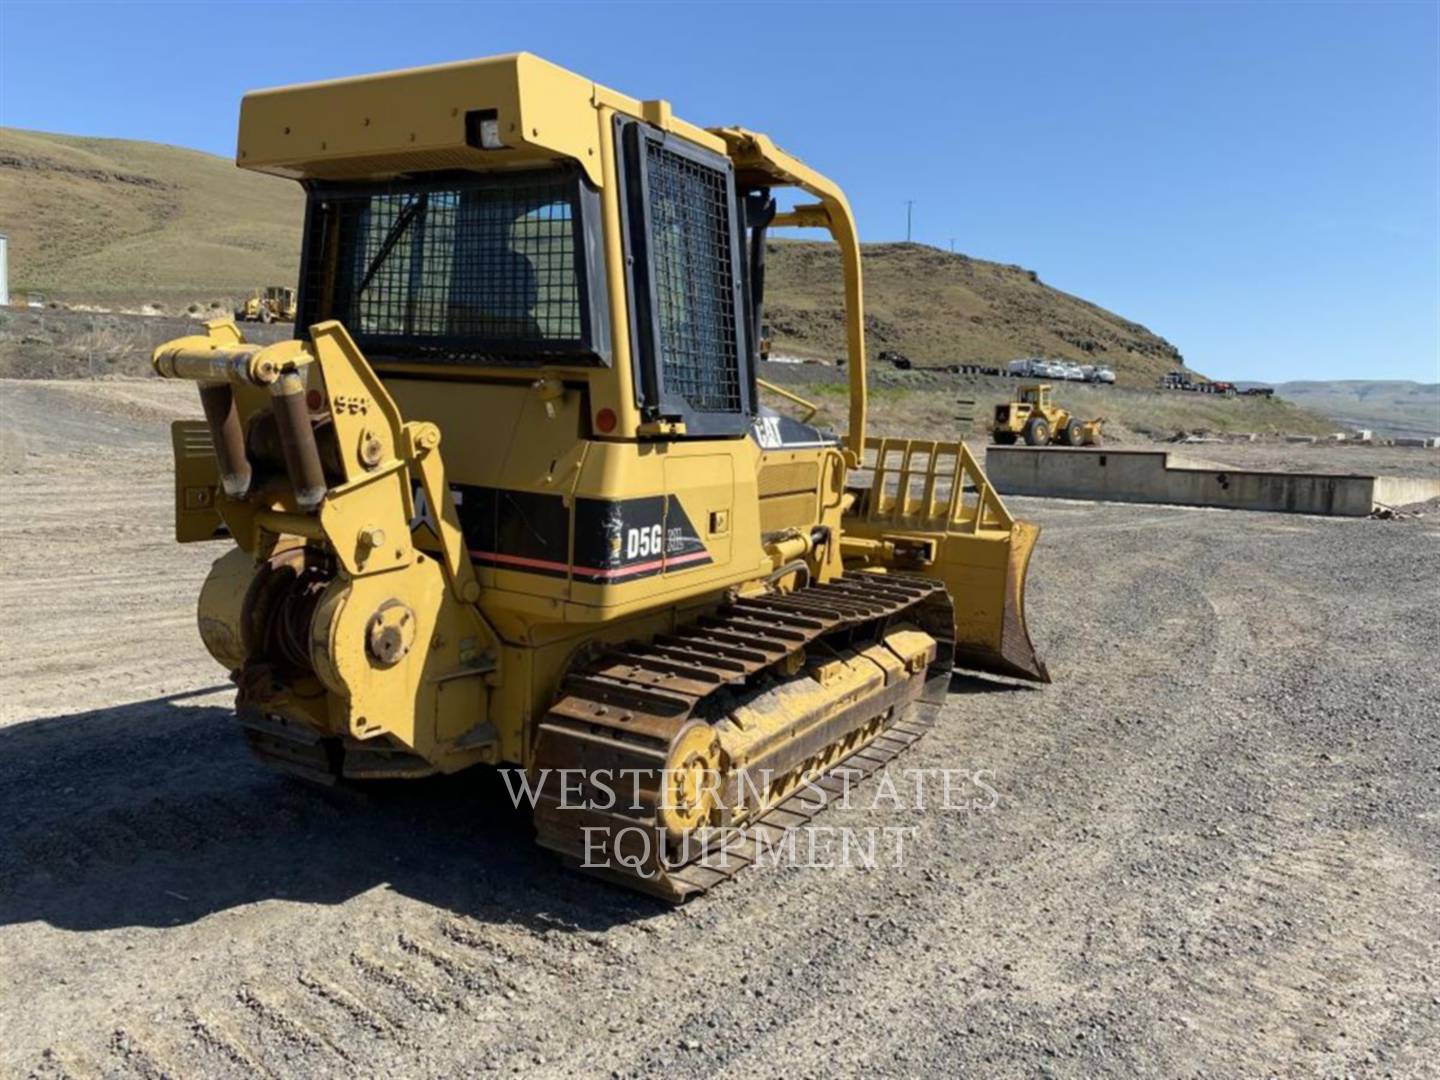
{"x": 952, "y": 245}
{"x": 909, "y": 217}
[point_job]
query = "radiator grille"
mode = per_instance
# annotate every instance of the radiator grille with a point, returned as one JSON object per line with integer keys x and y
{"x": 694, "y": 281}
{"x": 779, "y": 512}
{"x": 788, "y": 477}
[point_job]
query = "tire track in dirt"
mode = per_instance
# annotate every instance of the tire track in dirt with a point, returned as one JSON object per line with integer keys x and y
{"x": 216, "y": 1040}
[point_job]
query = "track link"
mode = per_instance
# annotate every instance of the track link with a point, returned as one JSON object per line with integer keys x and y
{"x": 622, "y": 714}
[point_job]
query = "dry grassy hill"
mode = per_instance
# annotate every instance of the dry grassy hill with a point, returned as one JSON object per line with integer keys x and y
{"x": 118, "y": 222}
{"x": 937, "y": 307}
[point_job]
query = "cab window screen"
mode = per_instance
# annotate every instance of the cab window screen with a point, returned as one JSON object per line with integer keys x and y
{"x": 687, "y": 283}
{"x": 694, "y": 280}
{"x": 461, "y": 271}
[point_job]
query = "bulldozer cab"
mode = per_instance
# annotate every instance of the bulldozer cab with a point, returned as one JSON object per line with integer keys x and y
{"x": 550, "y": 228}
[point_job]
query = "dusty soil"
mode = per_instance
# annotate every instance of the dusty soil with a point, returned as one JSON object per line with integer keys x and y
{"x": 1214, "y": 850}
{"x": 55, "y": 343}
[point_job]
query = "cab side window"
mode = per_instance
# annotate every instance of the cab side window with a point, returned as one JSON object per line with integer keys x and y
{"x": 687, "y": 284}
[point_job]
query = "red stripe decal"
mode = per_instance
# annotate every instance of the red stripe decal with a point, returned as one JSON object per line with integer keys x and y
{"x": 520, "y": 560}
{"x": 673, "y": 560}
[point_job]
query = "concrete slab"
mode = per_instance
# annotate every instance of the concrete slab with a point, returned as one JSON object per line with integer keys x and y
{"x": 1154, "y": 476}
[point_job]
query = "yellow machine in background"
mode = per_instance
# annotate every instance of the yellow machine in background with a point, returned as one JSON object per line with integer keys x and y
{"x": 275, "y": 303}
{"x": 512, "y": 498}
{"x": 1032, "y": 416}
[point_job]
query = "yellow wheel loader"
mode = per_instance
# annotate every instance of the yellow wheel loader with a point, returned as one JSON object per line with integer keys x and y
{"x": 1032, "y": 416}
{"x": 511, "y": 498}
{"x": 275, "y": 303}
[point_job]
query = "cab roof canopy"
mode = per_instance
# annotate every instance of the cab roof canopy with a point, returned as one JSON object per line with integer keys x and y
{"x": 425, "y": 119}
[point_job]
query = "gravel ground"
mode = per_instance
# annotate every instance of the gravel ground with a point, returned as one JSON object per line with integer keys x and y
{"x": 1214, "y": 850}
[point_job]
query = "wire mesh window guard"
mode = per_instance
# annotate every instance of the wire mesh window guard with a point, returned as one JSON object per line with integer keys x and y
{"x": 460, "y": 271}
{"x": 694, "y": 280}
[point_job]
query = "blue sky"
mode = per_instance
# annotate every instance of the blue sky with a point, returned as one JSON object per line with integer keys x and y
{"x": 1258, "y": 183}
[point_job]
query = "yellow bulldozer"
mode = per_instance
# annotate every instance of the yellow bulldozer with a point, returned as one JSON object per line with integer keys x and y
{"x": 511, "y": 498}
{"x": 1034, "y": 417}
{"x": 274, "y": 303}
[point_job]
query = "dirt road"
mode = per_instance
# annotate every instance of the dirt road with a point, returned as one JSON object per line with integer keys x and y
{"x": 1214, "y": 849}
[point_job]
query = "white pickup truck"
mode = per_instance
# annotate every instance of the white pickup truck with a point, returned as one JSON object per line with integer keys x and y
{"x": 1035, "y": 367}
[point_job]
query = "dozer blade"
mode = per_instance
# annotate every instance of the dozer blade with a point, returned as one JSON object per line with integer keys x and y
{"x": 928, "y": 508}
{"x": 990, "y": 630}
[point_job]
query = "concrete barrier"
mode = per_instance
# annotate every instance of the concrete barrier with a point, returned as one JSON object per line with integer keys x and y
{"x": 1404, "y": 490}
{"x": 1150, "y": 476}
